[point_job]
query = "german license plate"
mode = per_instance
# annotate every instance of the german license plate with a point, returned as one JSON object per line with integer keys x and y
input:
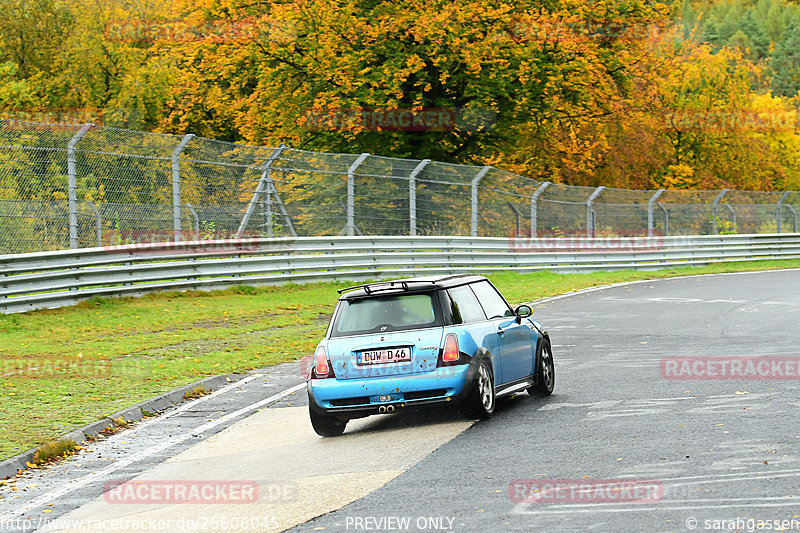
{"x": 383, "y": 356}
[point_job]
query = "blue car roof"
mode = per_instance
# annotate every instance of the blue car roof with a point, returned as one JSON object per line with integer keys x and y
{"x": 424, "y": 283}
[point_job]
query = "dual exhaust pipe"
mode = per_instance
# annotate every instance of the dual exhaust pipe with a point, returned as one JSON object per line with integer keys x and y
{"x": 386, "y": 409}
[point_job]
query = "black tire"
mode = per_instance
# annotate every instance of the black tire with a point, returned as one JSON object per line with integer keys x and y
{"x": 326, "y": 426}
{"x": 481, "y": 401}
{"x": 546, "y": 372}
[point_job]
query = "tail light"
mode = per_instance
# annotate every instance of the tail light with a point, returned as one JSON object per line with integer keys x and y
{"x": 322, "y": 367}
{"x": 450, "y": 353}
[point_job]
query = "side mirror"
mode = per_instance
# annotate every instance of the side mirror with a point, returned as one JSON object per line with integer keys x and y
{"x": 523, "y": 311}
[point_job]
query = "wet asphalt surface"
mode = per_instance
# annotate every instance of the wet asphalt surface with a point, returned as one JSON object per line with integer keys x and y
{"x": 722, "y": 454}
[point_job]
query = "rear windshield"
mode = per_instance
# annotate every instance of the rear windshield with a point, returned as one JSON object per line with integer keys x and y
{"x": 385, "y": 314}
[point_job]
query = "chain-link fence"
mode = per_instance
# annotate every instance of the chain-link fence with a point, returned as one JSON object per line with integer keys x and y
{"x": 75, "y": 186}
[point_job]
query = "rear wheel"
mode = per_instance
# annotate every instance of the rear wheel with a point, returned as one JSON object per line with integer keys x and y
{"x": 481, "y": 402}
{"x": 326, "y": 426}
{"x": 546, "y": 372}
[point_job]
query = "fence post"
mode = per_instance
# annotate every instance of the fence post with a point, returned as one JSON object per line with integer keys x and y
{"x": 350, "y": 229}
{"x": 412, "y": 196}
{"x": 666, "y": 218}
{"x": 715, "y": 209}
{"x": 72, "y": 185}
{"x": 795, "y": 216}
{"x": 733, "y": 214}
{"x": 518, "y": 216}
{"x": 266, "y": 206}
{"x": 266, "y": 179}
{"x": 98, "y": 222}
{"x": 475, "y": 181}
{"x": 590, "y": 211}
{"x": 273, "y": 193}
{"x": 778, "y": 215}
{"x": 196, "y": 221}
{"x": 176, "y": 185}
{"x": 650, "y": 203}
{"x": 535, "y": 207}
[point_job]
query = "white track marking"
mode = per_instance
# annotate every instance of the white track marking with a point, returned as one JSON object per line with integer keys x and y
{"x": 101, "y": 474}
{"x": 570, "y": 508}
{"x": 675, "y": 505}
{"x": 588, "y": 290}
{"x": 736, "y": 476}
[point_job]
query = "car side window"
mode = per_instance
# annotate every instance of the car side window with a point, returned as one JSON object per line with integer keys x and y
{"x": 493, "y": 304}
{"x": 465, "y": 305}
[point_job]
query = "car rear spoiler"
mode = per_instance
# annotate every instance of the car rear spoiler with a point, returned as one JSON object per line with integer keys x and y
{"x": 371, "y": 288}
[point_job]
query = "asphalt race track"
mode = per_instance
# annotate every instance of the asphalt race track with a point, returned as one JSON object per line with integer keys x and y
{"x": 673, "y": 411}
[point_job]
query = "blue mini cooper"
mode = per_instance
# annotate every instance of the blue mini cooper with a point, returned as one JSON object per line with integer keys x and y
{"x": 398, "y": 344}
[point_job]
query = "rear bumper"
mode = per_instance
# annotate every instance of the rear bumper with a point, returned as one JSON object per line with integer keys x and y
{"x": 353, "y": 398}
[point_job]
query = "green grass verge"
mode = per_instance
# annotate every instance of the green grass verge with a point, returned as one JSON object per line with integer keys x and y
{"x": 63, "y": 368}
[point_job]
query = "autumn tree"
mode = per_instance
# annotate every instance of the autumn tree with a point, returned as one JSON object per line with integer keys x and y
{"x": 618, "y": 93}
{"x": 303, "y": 72}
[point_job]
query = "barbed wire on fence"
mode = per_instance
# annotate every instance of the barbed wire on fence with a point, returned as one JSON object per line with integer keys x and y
{"x": 79, "y": 185}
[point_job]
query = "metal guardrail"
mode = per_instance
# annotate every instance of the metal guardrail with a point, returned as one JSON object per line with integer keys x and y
{"x": 59, "y": 278}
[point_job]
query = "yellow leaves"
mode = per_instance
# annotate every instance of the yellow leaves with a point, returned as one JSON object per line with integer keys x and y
{"x": 680, "y": 176}
{"x": 415, "y": 63}
{"x": 662, "y": 8}
{"x": 581, "y": 88}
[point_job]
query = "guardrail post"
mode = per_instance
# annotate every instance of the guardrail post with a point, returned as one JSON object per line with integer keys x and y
{"x": 535, "y": 207}
{"x": 176, "y": 185}
{"x": 666, "y": 218}
{"x": 715, "y": 209}
{"x": 412, "y": 196}
{"x": 778, "y": 214}
{"x": 72, "y": 184}
{"x": 98, "y": 224}
{"x": 590, "y": 221}
{"x": 266, "y": 179}
{"x": 475, "y": 181}
{"x": 350, "y": 228}
{"x": 650, "y": 203}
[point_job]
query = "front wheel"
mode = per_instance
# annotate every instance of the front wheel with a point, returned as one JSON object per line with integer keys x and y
{"x": 481, "y": 401}
{"x": 326, "y": 426}
{"x": 546, "y": 371}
